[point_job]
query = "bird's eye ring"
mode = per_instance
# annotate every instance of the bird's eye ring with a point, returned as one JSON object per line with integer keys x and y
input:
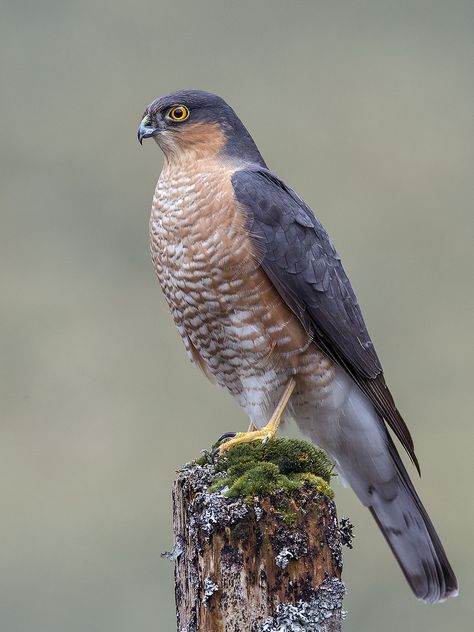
{"x": 178, "y": 113}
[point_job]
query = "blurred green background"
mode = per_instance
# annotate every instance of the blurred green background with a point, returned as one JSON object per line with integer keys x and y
{"x": 366, "y": 108}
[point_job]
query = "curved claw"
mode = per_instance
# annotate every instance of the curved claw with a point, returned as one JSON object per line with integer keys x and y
{"x": 217, "y": 451}
{"x": 226, "y": 435}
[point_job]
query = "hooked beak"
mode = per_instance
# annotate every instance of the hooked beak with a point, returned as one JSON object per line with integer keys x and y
{"x": 145, "y": 130}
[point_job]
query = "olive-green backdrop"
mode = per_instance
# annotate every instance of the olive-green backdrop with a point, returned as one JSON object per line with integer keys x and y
{"x": 366, "y": 108}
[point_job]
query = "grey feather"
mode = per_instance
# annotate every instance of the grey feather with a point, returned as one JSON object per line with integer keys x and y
{"x": 303, "y": 264}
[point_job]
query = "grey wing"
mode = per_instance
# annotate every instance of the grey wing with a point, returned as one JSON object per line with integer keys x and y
{"x": 300, "y": 260}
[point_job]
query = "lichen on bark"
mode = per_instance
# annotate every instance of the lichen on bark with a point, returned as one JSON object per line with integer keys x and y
{"x": 260, "y": 554}
{"x": 321, "y": 613}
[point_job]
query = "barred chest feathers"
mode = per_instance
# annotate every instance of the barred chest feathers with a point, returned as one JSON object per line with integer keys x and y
{"x": 233, "y": 322}
{"x": 197, "y": 237}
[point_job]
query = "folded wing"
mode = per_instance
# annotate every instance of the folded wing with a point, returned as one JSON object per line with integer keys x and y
{"x": 300, "y": 260}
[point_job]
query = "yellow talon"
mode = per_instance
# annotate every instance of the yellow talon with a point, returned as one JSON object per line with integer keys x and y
{"x": 268, "y": 431}
{"x": 246, "y": 437}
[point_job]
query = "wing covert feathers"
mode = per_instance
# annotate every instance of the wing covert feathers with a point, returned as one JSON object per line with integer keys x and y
{"x": 302, "y": 263}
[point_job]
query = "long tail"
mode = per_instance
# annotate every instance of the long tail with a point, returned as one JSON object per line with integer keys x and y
{"x": 410, "y": 534}
{"x": 366, "y": 457}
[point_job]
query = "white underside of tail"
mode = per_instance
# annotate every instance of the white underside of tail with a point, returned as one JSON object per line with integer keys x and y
{"x": 346, "y": 426}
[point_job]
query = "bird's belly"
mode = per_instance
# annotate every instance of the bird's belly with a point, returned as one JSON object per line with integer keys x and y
{"x": 232, "y": 320}
{"x": 246, "y": 337}
{"x": 229, "y": 315}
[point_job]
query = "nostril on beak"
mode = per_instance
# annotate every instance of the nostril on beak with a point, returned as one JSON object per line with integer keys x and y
{"x": 145, "y": 130}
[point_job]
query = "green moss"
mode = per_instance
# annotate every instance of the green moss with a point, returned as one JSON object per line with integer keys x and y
{"x": 257, "y": 469}
{"x": 260, "y": 480}
{"x": 318, "y": 482}
{"x": 286, "y": 508}
{"x": 292, "y": 456}
{"x": 290, "y": 518}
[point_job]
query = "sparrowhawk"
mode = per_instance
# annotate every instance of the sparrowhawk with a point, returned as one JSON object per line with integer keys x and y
{"x": 264, "y": 306}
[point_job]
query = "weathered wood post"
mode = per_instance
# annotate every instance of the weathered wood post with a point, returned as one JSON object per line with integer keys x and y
{"x": 257, "y": 542}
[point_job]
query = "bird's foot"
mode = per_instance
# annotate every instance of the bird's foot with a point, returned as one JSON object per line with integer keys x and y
{"x": 236, "y": 438}
{"x": 265, "y": 433}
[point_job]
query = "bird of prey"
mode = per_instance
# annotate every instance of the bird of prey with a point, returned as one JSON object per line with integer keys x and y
{"x": 264, "y": 307}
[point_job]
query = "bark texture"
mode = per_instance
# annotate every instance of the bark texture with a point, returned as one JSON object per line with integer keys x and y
{"x": 269, "y": 564}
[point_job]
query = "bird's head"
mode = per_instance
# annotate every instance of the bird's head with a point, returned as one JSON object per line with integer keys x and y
{"x": 197, "y": 122}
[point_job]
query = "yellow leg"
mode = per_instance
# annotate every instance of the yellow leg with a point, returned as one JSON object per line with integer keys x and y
{"x": 268, "y": 431}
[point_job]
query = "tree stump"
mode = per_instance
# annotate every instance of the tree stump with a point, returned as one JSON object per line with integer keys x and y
{"x": 267, "y": 562}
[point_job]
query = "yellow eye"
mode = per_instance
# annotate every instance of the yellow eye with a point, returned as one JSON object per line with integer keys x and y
{"x": 178, "y": 113}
